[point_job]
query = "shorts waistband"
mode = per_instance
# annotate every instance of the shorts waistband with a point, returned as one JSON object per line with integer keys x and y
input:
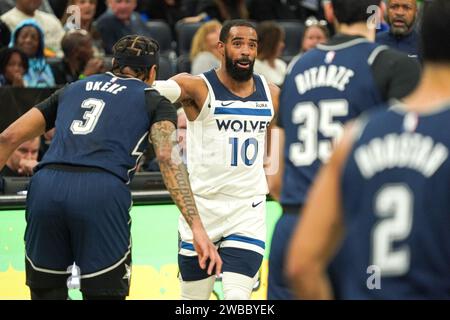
{"x": 225, "y": 197}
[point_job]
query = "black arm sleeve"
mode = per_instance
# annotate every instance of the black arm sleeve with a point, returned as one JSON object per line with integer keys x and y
{"x": 159, "y": 108}
{"x": 396, "y": 74}
{"x": 49, "y": 109}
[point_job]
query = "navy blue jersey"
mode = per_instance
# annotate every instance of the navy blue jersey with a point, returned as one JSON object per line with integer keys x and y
{"x": 396, "y": 201}
{"x": 324, "y": 89}
{"x": 103, "y": 122}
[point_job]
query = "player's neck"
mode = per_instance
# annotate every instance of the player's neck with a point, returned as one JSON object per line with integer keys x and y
{"x": 357, "y": 29}
{"x": 433, "y": 89}
{"x": 240, "y": 89}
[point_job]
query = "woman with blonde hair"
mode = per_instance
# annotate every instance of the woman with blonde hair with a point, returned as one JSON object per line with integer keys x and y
{"x": 204, "y": 54}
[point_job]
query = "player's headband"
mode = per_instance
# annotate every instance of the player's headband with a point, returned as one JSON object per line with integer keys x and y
{"x": 137, "y": 61}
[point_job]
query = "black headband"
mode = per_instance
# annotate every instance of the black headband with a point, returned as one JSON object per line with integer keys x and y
{"x": 137, "y": 61}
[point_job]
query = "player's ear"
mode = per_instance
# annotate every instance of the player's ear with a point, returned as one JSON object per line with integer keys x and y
{"x": 152, "y": 74}
{"x": 221, "y": 48}
{"x": 329, "y": 12}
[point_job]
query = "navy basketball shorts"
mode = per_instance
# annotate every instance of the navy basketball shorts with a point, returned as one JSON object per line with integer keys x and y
{"x": 238, "y": 229}
{"x": 79, "y": 217}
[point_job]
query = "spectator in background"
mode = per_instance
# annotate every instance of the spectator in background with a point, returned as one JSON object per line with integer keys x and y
{"x": 13, "y": 65}
{"x": 29, "y": 38}
{"x": 220, "y": 10}
{"x": 401, "y": 17}
{"x": 204, "y": 53}
{"x": 120, "y": 20}
{"x": 6, "y": 5}
{"x": 5, "y": 34}
{"x": 78, "y": 61}
{"x": 261, "y": 10}
{"x": 270, "y": 48}
{"x": 23, "y": 160}
{"x": 51, "y": 26}
{"x": 59, "y": 7}
{"x": 169, "y": 10}
{"x": 87, "y": 13}
{"x": 315, "y": 33}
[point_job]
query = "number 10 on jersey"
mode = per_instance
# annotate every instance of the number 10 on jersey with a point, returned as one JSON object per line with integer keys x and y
{"x": 242, "y": 149}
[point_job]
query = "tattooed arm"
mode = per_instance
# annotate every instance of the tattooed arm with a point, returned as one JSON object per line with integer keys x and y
{"x": 176, "y": 179}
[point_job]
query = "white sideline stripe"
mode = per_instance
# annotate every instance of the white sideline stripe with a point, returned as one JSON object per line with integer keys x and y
{"x": 45, "y": 270}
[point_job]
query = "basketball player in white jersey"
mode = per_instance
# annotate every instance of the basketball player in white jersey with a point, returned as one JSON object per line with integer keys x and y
{"x": 229, "y": 111}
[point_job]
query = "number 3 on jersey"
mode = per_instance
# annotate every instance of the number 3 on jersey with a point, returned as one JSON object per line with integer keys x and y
{"x": 91, "y": 117}
{"x": 311, "y": 121}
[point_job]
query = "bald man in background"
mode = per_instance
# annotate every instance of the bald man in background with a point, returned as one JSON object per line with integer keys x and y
{"x": 23, "y": 159}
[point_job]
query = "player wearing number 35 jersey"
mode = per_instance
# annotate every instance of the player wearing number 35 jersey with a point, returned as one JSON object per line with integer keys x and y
{"x": 325, "y": 88}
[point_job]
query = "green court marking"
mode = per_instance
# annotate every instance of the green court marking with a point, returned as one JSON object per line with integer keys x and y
{"x": 154, "y": 235}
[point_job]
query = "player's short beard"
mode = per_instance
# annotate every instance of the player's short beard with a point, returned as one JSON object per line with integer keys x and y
{"x": 238, "y": 74}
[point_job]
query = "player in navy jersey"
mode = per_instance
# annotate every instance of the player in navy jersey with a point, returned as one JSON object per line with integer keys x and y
{"x": 384, "y": 195}
{"x": 78, "y": 202}
{"x": 325, "y": 88}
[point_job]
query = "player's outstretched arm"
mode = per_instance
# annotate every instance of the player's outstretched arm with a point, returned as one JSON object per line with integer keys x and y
{"x": 176, "y": 180}
{"x": 191, "y": 91}
{"x": 319, "y": 232}
{"x": 28, "y": 126}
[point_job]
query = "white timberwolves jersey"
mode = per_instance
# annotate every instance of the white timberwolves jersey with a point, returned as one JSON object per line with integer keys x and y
{"x": 226, "y": 143}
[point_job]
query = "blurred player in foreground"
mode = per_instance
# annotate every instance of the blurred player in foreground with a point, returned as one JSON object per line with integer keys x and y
{"x": 384, "y": 195}
{"x": 325, "y": 88}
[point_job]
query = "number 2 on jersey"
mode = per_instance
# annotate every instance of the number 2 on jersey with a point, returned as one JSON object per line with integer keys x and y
{"x": 91, "y": 117}
{"x": 313, "y": 120}
{"x": 394, "y": 205}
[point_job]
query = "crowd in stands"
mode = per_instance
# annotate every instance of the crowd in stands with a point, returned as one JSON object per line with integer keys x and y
{"x": 45, "y": 43}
